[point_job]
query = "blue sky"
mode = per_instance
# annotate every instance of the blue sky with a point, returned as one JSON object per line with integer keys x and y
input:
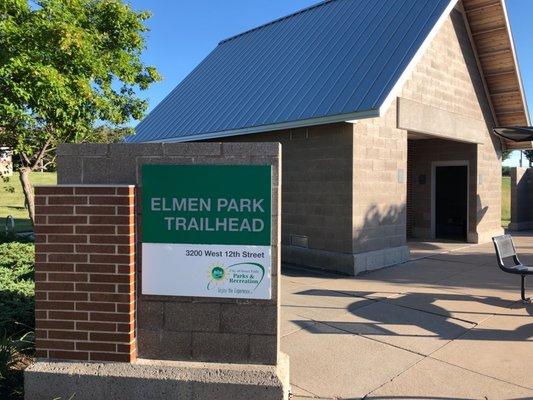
{"x": 521, "y": 14}
{"x": 183, "y": 32}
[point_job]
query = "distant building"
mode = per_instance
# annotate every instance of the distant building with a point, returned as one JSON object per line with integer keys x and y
{"x": 385, "y": 112}
{"x": 6, "y": 161}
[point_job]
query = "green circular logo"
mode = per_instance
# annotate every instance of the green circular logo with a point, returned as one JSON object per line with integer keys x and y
{"x": 217, "y": 273}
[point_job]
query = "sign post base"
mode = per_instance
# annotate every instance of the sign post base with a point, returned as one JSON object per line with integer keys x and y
{"x": 154, "y": 380}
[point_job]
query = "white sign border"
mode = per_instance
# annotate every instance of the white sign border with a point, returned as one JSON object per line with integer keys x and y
{"x": 178, "y": 269}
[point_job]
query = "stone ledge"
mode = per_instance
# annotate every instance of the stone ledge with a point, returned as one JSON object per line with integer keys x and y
{"x": 151, "y": 380}
{"x": 373, "y": 260}
{"x": 320, "y": 259}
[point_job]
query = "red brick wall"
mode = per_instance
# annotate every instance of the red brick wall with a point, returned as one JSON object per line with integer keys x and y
{"x": 84, "y": 273}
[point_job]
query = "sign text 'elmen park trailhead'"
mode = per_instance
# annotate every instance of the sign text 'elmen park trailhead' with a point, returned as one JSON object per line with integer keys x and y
{"x": 206, "y": 230}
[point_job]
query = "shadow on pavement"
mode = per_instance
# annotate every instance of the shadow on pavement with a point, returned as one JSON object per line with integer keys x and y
{"x": 469, "y": 278}
{"x": 444, "y": 330}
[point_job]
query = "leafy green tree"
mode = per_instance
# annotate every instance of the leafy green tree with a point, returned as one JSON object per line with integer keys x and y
{"x": 66, "y": 65}
{"x": 108, "y": 134}
{"x": 529, "y": 156}
{"x": 506, "y": 154}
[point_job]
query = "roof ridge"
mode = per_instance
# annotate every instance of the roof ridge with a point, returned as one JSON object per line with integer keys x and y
{"x": 322, "y": 3}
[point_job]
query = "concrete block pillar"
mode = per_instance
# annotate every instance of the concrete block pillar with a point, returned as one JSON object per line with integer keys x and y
{"x": 84, "y": 273}
{"x": 521, "y": 199}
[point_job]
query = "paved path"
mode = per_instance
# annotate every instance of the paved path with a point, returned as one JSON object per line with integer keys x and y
{"x": 444, "y": 327}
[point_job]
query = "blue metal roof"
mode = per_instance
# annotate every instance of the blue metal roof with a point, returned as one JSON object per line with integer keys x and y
{"x": 329, "y": 62}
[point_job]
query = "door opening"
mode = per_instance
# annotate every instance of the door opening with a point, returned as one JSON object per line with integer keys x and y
{"x": 451, "y": 202}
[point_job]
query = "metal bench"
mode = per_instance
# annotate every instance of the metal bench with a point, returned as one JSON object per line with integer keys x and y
{"x": 505, "y": 250}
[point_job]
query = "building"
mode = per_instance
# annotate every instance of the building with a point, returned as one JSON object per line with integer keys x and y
{"x": 385, "y": 112}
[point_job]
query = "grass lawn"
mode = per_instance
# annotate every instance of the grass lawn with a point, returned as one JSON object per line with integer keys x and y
{"x": 12, "y": 201}
{"x": 506, "y": 201}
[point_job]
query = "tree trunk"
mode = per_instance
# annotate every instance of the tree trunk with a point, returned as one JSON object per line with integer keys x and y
{"x": 24, "y": 175}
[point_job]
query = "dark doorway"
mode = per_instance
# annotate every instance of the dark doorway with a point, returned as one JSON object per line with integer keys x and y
{"x": 451, "y": 199}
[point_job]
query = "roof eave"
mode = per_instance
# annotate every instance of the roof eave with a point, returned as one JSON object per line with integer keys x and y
{"x": 396, "y": 90}
{"x": 498, "y": 63}
{"x": 348, "y": 117}
{"x": 510, "y": 145}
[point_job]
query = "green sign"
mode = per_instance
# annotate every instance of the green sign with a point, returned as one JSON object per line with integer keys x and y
{"x": 207, "y": 204}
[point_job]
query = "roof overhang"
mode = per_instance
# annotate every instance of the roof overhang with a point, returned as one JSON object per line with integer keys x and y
{"x": 349, "y": 118}
{"x": 488, "y": 25}
{"x": 516, "y": 138}
{"x": 492, "y": 39}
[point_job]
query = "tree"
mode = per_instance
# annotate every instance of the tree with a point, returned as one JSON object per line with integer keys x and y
{"x": 64, "y": 66}
{"x": 107, "y": 134}
{"x": 506, "y": 154}
{"x": 529, "y": 156}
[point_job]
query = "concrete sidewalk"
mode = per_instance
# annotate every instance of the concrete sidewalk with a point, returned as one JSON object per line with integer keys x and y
{"x": 448, "y": 326}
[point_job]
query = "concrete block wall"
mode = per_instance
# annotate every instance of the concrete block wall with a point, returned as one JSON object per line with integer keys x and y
{"x": 521, "y": 199}
{"x": 379, "y": 193}
{"x": 317, "y": 173}
{"x": 84, "y": 273}
{"x": 345, "y": 191}
{"x": 447, "y": 78}
{"x": 186, "y": 328}
{"x": 489, "y": 191}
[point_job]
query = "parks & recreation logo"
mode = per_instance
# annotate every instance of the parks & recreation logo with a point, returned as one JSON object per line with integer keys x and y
{"x": 241, "y": 277}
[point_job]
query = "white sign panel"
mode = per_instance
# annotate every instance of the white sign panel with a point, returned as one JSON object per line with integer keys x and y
{"x": 207, "y": 270}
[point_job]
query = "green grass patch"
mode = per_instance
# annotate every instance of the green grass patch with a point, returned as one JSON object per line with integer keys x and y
{"x": 506, "y": 201}
{"x": 12, "y": 199}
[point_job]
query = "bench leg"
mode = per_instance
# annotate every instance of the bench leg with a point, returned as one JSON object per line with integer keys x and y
{"x": 523, "y": 290}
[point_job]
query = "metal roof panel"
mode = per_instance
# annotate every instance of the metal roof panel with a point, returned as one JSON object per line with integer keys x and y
{"x": 339, "y": 57}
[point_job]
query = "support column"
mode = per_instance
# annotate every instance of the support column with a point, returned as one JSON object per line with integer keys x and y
{"x": 521, "y": 198}
{"x": 84, "y": 273}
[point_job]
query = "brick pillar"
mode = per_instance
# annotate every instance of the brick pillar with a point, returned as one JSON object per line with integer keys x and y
{"x": 84, "y": 273}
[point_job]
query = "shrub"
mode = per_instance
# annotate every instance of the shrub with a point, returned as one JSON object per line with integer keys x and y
{"x": 14, "y": 357}
{"x": 17, "y": 288}
{"x": 506, "y": 171}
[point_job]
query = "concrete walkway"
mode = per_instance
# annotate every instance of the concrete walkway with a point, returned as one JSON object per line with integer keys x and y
{"x": 448, "y": 326}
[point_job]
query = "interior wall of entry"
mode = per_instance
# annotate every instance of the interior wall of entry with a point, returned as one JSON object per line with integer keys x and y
{"x": 424, "y": 156}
